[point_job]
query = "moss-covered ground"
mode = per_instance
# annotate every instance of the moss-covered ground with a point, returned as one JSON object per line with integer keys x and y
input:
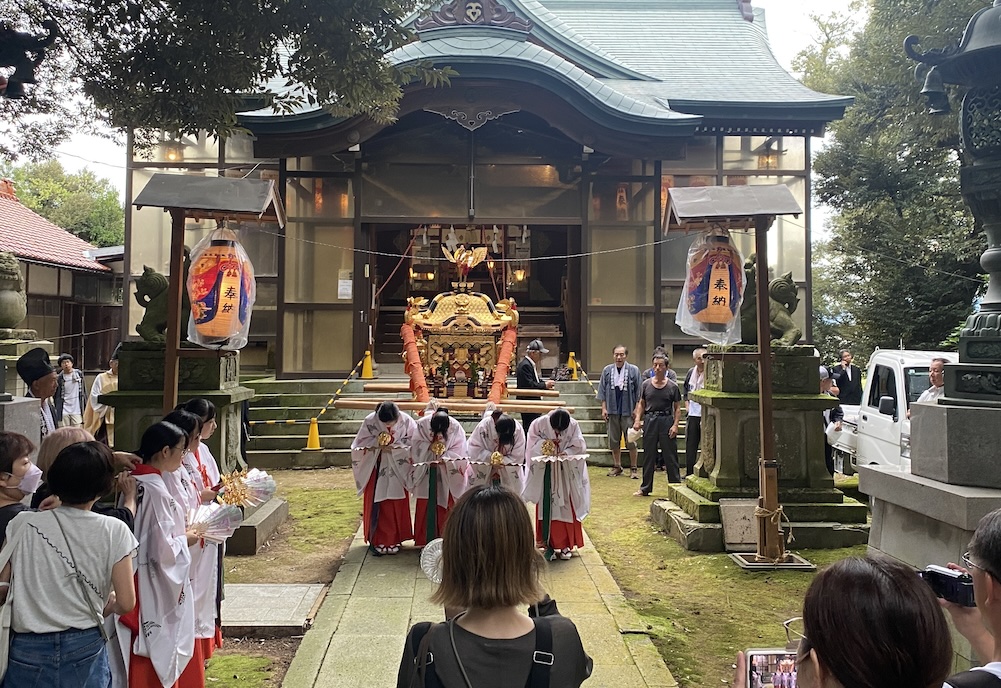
{"x": 700, "y": 608}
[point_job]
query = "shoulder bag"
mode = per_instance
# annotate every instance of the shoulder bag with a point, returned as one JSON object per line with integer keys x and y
{"x": 98, "y": 616}
{"x": 6, "y": 611}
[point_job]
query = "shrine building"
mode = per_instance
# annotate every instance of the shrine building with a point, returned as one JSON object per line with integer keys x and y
{"x": 554, "y": 146}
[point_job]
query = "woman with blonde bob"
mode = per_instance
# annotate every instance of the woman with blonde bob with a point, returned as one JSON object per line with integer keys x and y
{"x": 490, "y": 568}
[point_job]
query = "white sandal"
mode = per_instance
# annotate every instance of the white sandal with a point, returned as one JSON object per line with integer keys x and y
{"x": 566, "y": 554}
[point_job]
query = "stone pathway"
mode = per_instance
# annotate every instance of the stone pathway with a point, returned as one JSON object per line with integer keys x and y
{"x": 357, "y": 636}
{"x": 270, "y": 610}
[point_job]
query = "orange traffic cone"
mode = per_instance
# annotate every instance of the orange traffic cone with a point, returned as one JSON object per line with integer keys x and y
{"x": 313, "y": 440}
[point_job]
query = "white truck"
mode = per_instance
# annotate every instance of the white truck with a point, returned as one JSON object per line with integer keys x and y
{"x": 879, "y": 431}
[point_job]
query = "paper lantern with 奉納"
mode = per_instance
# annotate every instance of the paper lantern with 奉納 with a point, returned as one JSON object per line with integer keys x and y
{"x": 221, "y": 288}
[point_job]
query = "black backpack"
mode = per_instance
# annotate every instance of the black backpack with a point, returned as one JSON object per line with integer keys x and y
{"x": 542, "y": 658}
{"x": 974, "y": 679}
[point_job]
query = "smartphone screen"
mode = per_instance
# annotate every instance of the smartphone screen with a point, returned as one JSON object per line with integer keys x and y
{"x": 771, "y": 668}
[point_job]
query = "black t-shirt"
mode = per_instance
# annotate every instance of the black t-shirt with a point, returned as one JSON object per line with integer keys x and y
{"x": 660, "y": 400}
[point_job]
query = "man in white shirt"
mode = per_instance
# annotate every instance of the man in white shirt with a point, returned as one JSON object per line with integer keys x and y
{"x": 69, "y": 397}
{"x": 936, "y": 375}
{"x": 694, "y": 381}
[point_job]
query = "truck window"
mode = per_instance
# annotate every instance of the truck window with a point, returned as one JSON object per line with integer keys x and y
{"x": 917, "y": 382}
{"x": 883, "y": 385}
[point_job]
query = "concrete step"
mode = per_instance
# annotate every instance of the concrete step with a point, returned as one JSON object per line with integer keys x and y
{"x": 257, "y": 527}
{"x": 333, "y": 425}
{"x": 276, "y": 459}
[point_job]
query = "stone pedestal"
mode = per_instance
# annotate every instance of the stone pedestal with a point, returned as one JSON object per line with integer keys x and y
{"x": 11, "y": 349}
{"x": 956, "y": 444}
{"x": 728, "y": 467}
{"x": 20, "y": 415}
{"x": 213, "y": 375}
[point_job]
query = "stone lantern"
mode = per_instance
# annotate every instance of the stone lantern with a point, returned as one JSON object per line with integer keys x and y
{"x": 975, "y": 64}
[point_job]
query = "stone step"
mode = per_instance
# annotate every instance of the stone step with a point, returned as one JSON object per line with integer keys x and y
{"x": 298, "y": 441}
{"x": 332, "y": 425}
{"x": 707, "y": 511}
{"x": 284, "y": 459}
{"x": 258, "y": 527}
{"x": 708, "y": 537}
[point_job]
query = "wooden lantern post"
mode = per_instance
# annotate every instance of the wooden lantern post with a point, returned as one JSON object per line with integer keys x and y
{"x": 770, "y": 546}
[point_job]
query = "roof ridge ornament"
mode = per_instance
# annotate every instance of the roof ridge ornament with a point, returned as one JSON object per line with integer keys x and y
{"x": 746, "y": 10}
{"x": 474, "y": 13}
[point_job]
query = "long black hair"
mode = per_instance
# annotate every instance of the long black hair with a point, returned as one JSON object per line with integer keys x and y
{"x": 440, "y": 423}
{"x": 505, "y": 427}
{"x": 203, "y": 408}
{"x": 158, "y": 436}
{"x": 387, "y": 412}
{"x": 559, "y": 420}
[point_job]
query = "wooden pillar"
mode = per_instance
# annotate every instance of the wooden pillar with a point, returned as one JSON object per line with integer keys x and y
{"x": 770, "y": 545}
{"x": 175, "y": 294}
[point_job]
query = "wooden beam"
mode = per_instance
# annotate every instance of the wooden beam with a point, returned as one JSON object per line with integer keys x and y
{"x": 405, "y": 387}
{"x": 175, "y": 294}
{"x": 477, "y": 407}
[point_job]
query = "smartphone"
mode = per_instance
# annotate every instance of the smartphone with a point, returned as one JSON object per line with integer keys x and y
{"x": 950, "y": 585}
{"x": 771, "y": 668}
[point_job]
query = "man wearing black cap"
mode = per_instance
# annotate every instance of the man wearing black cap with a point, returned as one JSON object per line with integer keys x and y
{"x": 40, "y": 378}
{"x": 529, "y": 378}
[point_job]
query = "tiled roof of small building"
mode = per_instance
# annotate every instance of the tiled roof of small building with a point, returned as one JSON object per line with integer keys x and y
{"x": 31, "y": 237}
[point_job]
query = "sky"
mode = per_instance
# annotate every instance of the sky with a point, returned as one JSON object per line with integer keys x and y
{"x": 789, "y": 31}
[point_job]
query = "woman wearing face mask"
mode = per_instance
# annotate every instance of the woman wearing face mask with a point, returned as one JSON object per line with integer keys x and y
{"x": 157, "y": 639}
{"x": 18, "y": 476}
{"x": 55, "y": 619}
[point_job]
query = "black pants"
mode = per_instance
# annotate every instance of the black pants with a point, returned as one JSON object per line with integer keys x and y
{"x": 527, "y": 418}
{"x": 693, "y": 438}
{"x": 657, "y": 441}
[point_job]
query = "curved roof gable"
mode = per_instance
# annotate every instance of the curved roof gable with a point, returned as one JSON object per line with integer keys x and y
{"x": 488, "y": 48}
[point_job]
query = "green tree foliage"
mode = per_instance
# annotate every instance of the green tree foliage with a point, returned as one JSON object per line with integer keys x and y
{"x": 78, "y": 202}
{"x": 186, "y": 65}
{"x": 903, "y": 256}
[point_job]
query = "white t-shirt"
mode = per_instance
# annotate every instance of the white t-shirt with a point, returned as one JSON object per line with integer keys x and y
{"x": 931, "y": 394}
{"x": 71, "y": 394}
{"x": 46, "y": 598}
{"x": 990, "y": 667}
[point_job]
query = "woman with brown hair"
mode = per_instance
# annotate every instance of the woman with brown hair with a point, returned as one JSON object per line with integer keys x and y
{"x": 490, "y": 568}
{"x": 869, "y": 623}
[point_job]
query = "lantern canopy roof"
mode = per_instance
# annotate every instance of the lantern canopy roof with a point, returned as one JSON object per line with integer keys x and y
{"x": 974, "y": 60}
{"x": 697, "y": 207}
{"x": 215, "y": 197}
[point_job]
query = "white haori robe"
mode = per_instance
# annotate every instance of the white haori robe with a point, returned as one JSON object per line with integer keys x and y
{"x": 569, "y": 480}
{"x": 395, "y": 470}
{"x": 452, "y": 473}
{"x": 204, "y": 554}
{"x": 166, "y": 605}
{"x": 482, "y": 445}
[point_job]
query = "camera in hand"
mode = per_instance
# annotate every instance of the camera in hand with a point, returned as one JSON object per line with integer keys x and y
{"x": 952, "y": 586}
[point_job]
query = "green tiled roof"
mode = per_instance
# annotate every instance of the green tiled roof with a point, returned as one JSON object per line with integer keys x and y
{"x": 699, "y": 51}
{"x": 639, "y": 62}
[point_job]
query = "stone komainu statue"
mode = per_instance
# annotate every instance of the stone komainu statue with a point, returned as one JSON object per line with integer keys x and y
{"x": 783, "y": 299}
{"x": 13, "y": 306}
{"x": 151, "y": 294}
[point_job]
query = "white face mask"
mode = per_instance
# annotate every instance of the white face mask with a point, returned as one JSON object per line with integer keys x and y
{"x": 30, "y": 480}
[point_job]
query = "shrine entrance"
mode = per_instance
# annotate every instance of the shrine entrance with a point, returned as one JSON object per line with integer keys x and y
{"x": 527, "y": 263}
